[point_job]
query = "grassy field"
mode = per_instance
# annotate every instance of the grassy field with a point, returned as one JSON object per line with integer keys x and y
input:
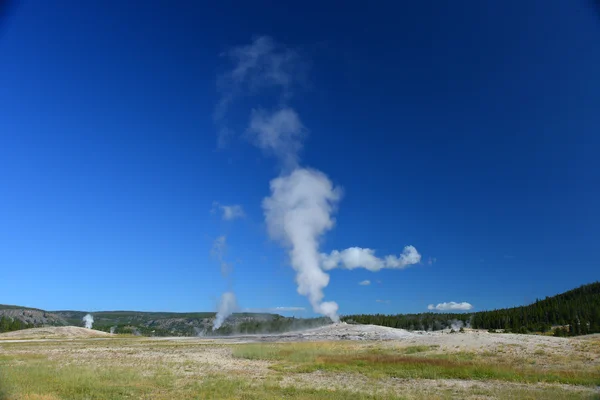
{"x": 143, "y": 368}
{"x": 414, "y": 362}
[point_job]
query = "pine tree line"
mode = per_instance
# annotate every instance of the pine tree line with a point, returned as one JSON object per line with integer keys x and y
{"x": 573, "y": 313}
{"x": 576, "y": 312}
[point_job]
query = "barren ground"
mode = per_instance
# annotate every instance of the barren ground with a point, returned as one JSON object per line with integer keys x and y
{"x": 347, "y": 361}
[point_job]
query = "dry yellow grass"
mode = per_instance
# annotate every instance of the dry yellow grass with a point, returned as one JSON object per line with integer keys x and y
{"x": 162, "y": 369}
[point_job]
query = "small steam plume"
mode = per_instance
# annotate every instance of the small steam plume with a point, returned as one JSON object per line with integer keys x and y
{"x": 456, "y": 324}
{"x": 298, "y": 213}
{"x": 227, "y": 306}
{"x": 199, "y": 331}
{"x": 88, "y": 321}
{"x": 112, "y": 329}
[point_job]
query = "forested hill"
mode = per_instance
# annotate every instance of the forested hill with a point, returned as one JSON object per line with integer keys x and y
{"x": 579, "y": 308}
{"x": 577, "y": 312}
{"x": 155, "y": 323}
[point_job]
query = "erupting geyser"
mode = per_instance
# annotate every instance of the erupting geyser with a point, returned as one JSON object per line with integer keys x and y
{"x": 227, "y": 306}
{"x": 88, "y": 320}
{"x": 298, "y": 213}
{"x": 299, "y": 210}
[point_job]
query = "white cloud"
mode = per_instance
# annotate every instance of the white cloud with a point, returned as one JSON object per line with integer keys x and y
{"x": 383, "y": 301}
{"x": 431, "y": 260}
{"x": 279, "y": 133}
{"x": 275, "y": 309}
{"x": 228, "y": 213}
{"x": 357, "y": 257}
{"x": 450, "y": 306}
{"x": 289, "y": 309}
{"x": 365, "y": 282}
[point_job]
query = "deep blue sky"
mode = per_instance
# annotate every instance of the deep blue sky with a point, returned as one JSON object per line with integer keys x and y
{"x": 470, "y": 131}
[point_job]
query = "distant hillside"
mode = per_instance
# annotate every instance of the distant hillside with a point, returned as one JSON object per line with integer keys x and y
{"x": 9, "y": 307}
{"x": 154, "y": 323}
{"x": 164, "y": 323}
{"x": 577, "y": 312}
{"x": 29, "y": 316}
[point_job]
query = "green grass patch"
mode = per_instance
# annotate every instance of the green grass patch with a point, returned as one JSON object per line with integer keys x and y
{"x": 294, "y": 352}
{"x": 48, "y": 381}
{"x": 36, "y": 378}
{"x": 407, "y": 363}
{"x": 417, "y": 349}
{"x": 218, "y": 387}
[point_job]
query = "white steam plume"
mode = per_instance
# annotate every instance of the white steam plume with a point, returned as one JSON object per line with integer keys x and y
{"x": 263, "y": 64}
{"x": 219, "y": 249}
{"x": 298, "y": 212}
{"x": 456, "y": 324}
{"x": 279, "y": 133}
{"x": 227, "y": 306}
{"x": 88, "y": 321}
{"x": 112, "y": 329}
{"x": 357, "y": 257}
{"x": 302, "y": 201}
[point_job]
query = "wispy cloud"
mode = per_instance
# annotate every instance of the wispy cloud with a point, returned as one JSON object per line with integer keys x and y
{"x": 431, "y": 260}
{"x": 228, "y": 213}
{"x": 365, "y": 282}
{"x": 383, "y": 301}
{"x": 450, "y": 306}
{"x": 357, "y": 257}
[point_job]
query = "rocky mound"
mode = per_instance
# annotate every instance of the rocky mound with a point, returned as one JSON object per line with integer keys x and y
{"x": 54, "y": 332}
{"x": 342, "y": 331}
{"x": 338, "y": 331}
